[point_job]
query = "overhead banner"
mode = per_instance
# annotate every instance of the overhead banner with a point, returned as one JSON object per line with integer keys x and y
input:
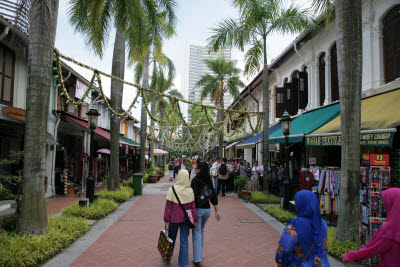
{"x": 80, "y": 91}
{"x": 371, "y": 139}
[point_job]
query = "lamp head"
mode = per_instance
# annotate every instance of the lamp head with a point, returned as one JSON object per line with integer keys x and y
{"x": 93, "y": 115}
{"x": 286, "y": 121}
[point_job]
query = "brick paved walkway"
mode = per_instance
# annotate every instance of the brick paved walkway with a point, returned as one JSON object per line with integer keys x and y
{"x": 241, "y": 238}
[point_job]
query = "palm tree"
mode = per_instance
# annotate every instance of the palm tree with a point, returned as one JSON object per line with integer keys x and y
{"x": 349, "y": 54}
{"x": 42, "y": 34}
{"x": 258, "y": 19}
{"x": 131, "y": 20}
{"x": 196, "y": 113}
{"x": 225, "y": 78}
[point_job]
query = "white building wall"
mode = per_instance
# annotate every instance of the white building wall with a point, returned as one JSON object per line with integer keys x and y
{"x": 248, "y": 154}
{"x": 20, "y": 81}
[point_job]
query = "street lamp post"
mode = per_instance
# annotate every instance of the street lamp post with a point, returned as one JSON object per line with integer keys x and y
{"x": 93, "y": 116}
{"x": 286, "y": 127}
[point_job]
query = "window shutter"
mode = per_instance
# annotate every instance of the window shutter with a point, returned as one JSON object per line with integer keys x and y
{"x": 303, "y": 90}
{"x": 288, "y": 97}
{"x": 391, "y": 44}
{"x": 334, "y": 75}
{"x": 280, "y": 103}
{"x": 295, "y": 96}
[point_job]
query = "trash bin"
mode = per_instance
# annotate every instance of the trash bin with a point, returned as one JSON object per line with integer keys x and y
{"x": 137, "y": 183}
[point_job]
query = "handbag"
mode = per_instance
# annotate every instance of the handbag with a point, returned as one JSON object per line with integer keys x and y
{"x": 165, "y": 246}
{"x": 206, "y": 193}
{"x": 188, "y": 213}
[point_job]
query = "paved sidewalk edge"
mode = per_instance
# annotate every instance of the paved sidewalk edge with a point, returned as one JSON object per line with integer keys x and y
{"x": 277, "y": 225}
{"x": 70, "y": 254}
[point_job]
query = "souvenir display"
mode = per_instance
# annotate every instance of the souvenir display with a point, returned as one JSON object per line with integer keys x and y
{"x": 374, "y": 200}
{"x": 375, "y": 176}
{"x": 385, "y": 177}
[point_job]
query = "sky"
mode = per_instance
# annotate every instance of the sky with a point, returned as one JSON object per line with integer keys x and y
{"x": 196, "y": 18}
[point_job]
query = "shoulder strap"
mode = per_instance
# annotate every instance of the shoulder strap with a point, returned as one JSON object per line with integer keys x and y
{"x": 309, "y": 251}
{"x": 179, "y": 201}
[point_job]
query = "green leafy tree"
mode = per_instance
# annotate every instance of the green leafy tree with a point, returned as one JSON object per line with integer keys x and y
{"x": 42, "y": 34}
{"x": 224, "y": 78}
{"x": 132, "y": 20}
{"x": 257, "y": 20}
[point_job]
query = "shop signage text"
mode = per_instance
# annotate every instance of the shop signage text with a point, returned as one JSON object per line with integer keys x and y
{"x": 376, "y": 139}
{"x": 379, "y": 159}
{"x": 80, "y": 91}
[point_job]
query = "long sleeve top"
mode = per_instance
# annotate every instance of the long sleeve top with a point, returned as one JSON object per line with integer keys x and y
{"x": 388, "y": 250}
{"x": 290, "y": 253}
{"x": 197, "y": 187}
{"x": 306, "y": 180}
{"x": 173, "y": 212}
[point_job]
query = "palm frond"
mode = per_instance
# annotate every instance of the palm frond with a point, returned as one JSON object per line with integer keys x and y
{"x": 253, "y": 58}
{"x": 290, "y": 20}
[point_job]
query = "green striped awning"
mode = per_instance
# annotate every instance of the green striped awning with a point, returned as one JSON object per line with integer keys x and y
{"x": 129, "y": 141}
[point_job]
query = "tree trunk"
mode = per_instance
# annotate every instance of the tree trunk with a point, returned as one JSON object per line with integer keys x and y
{"x": 162, "y": 141}
{"x": 42, "y": 34}
{"x": 143, "y": 118}
{"x": 349, "y": 58}
{"x": 266, "y": 120}
{"x": 152, "y": 123}
{"x": 117, "y": 89}
{"x": 220, "y": 115}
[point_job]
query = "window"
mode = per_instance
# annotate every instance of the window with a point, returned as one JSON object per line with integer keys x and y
{"x": 279, "y": 98}
{"x": 334, "y": 75}
{"x": 288, "y": 93}
{"x": 321, "y": 61}
{"x": 391, "y": 44}
{"x": 7, "y": 63}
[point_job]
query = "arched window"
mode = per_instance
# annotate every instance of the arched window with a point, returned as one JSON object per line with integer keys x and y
{"x": 321, "y": 68}
{"x": 294, "y": 101}
{"x": 391, "y": 44}
{"x": 334, "y": 75}
{"x": 303, "y": 88}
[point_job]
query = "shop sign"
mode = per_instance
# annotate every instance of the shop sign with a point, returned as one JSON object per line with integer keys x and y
{"x": 379, "y": 159}
{"x": 312, "y": 161}
{"x": 80, "y": 91}
{"x": 373, "y": 139}
{"x": 15, "y": 113}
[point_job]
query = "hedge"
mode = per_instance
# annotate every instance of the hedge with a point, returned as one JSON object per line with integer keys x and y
{"x": 338, "y": 248}
{"x": 97, "y": 210}
{"x": 22, "y": 250}
{"x": 122, "y": 195}
{"x": 261, "y": 198}
{"x": 280, "y": 214}
{"x": 128, "y": 183}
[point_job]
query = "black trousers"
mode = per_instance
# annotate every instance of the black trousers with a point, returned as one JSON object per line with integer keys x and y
{"x": 222, "y": 186}
{"x": 261, "y": 182}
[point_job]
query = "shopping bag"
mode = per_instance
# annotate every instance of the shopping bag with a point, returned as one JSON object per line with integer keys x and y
{"x": 165, "y": 246}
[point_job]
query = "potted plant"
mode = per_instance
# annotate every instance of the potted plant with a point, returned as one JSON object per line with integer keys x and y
{"x": 153, "y": 177}
{"x": 241, "y": 182}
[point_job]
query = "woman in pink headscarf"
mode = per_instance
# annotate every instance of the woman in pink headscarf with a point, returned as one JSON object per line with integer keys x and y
{"x": 386, "y": 241}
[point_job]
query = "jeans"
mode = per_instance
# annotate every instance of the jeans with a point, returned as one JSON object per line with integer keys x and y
{"x": 222, "y": 184}
{"x": 216, "y": 184}
{"x": 198, "y": 234}
{"x": 183, "y": 259}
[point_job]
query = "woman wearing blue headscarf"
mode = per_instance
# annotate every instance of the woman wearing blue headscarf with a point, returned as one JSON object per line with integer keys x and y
{"x": 303, "y": 242}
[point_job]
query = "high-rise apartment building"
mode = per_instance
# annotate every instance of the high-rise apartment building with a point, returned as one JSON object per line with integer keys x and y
{"x": 195, "y": 54}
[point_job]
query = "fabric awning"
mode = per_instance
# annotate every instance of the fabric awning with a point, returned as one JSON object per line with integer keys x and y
{"x": 380, "y": 115}
{"x": 306, "y": 123}
{"x": 231, "y": 145}
{"x": 98, "y": 130}
{"x": 129, "y": 141}
{"x": 258, "y": 137}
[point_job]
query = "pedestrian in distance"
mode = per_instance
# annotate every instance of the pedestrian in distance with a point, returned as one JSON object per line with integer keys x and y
{"x": 171, "y": 167}
{"x": 254, "y": 176}
{"x": 304, "y": 240}
{"x": 386, "y": 241}
{"x": 223, "y": 176}
{"x": 200, "y": 183}
{"x": 174, "y": 216}
{"x": 214, "y": 173}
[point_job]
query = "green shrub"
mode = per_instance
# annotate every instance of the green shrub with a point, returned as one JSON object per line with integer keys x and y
{"x": 10, "y": 223}
{"x": 5, "y": 194}
{"x": 122, "y": 195}
{"x": 166, "y": 167}
{"x": 261, "y": 198}
{"x": 280, "y": 214}
{"x": 151, "y": 171}
{"x": 146, "y": 178}
{"x": 188, "y": 165}
{"x": 241, "y": 181}
{"x": 18, "y": 250}
{"x": 128, "y": 183}
{"x": 97, "y": 210}
{"x": 338, "y": 248}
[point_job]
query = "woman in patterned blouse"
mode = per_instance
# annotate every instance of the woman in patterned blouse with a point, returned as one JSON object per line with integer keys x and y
{"x": 303, "y": 242}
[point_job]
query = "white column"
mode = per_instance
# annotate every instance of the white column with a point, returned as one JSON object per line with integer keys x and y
{"x": 315, "y": 89}
{"x": 377, "y": 57}
{"x": 273, "y": 105}
{"x": 309, "y": 85}
{"x": 328, "y": 98}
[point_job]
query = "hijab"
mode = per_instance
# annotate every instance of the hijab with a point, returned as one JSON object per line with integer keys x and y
{"x": 391, "y": 229}
{"x": 308, "y": 224}
{"x": 182, "y": 189}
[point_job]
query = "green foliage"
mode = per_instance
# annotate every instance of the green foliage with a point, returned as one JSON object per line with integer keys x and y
{"x": 336, "y": 247}
{"x": 241, "y": 181}
{"x": 188, "y": 165}
{"x": 151, "y": 171}
{"x": 5, "y": 194}
{"x": 17, "y": 250}
{"x": 122, "y": 195}
{"x": 261, "y": 198}
{"x": 97, "y": 210}
{"x": 166, "y": 167}
{"x": 146, "y": 178}
{"x": 128, "y": 183}
{"x": 280, "y": 214}
{"x": 10, "y": 223}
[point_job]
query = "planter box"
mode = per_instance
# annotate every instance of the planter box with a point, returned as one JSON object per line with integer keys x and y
{"x": 71, "y": 190}
{"x": 246, "y": 194}
{"x": 239, "y": 193}
{"x": 153, "y": 178}
{"x": 162, "y": 173}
